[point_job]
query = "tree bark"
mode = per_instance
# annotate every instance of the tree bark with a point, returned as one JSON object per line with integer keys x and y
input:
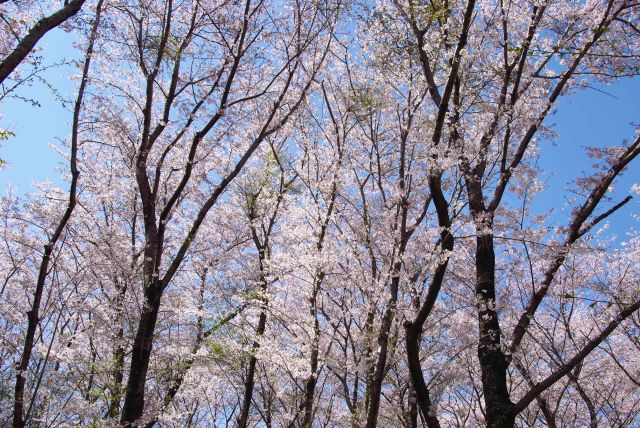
{"x": 413, "y": 408}
{"x": 499, "y": 408}
{"x": 118, "y": 354}
{"x": 312, "y": 380}
{"x": 140, "y": 356}
{"x": 381, "y": 362}
{"x": 250, "y": 382}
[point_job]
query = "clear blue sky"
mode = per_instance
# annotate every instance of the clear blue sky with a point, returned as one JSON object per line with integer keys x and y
{"x": 590, "y": 118}
{"x": 28, "y": 156}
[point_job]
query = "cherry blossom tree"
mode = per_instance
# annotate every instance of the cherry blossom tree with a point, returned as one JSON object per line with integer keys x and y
{"x": 326, "y": 213}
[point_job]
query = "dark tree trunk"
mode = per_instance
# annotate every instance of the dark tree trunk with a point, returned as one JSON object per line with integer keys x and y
{"x": 423, "y": 399}
{"x": 499, "y": 408}
{"x": 383, "y": 344}
{"x": 310, "y": 385}
{"x": 118, "y": 355}
{"x": 250, "y": 382}
{"x": 413, "y": 408}
{"x": 140, "y": 356}
{"x": 118, "y": 377}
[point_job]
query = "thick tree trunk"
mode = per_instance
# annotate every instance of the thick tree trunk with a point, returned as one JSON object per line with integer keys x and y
{"x": 413, "y": 408}
{"x": 310, "y": 389}
{"x": 499, "y": 408}
{"x": 423, "y": 399}
{"x": 370, "y": 363}
{"x": 133, "y": 407}
{"x": 118, "y": 377}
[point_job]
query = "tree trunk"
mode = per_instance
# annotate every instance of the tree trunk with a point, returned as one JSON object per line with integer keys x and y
{"x": 499, "y": 408}
{"x": 118, "y": 355}
{"x": 413, "y": 408}
{"x": 250, "y": 382}
{"x": 383, "y": 345}
{"x": 118, "y": 366}
{"x": 423, "y": 399}
{"x": 140, "y": 356}
{"x": 310, "y": 386}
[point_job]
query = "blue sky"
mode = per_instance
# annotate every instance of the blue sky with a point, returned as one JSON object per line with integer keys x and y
{"x": 28, "y": 155}
{"x": 602, "y": 117}
{"x": 590, "y": 118}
